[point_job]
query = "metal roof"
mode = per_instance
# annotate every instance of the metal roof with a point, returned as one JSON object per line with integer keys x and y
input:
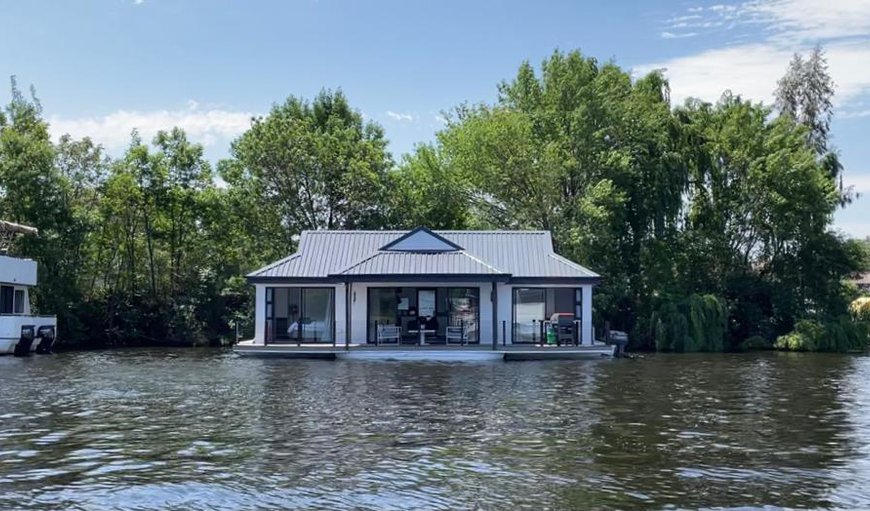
{"x": 419, "y": 263}
{"x": 337, "y": 254}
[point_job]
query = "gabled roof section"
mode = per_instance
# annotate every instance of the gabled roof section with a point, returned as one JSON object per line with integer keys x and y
{"x": 421, "y": 239}
{"x": 334, "y": 256}
{"x": 385, "y": 263}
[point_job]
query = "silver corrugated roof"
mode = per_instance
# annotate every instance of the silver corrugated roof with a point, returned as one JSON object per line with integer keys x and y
{"x": 519, "y": 254}
{"x": 418, "y": 263}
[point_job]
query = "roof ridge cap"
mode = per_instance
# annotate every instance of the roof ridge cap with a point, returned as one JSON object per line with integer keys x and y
{"x": 360, "y": 261}
{"x": 569, "y": 262}
{"x": 275, "y": 264}
{"x": 481, "y": 261}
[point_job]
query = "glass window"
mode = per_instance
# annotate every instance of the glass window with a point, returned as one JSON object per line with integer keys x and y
{"x": 385, "y": 305}
{"x": 280, "y": 312}
{"x": 6, "y": 299}
{"x": 563, "y": 300}
{"x": 270, "y": 314}
{"x": 530, "y": 307}
{"x": 463, "y": 306}
{"x": 295, "y": 314}
{"x": 317, "y": 314}
{"x": 534, "y": 305}
{"x": 19, "y": 301}
{"x": 408, "y": 307}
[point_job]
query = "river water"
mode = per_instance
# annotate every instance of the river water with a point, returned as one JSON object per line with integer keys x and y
{"x": 204, "y": 429}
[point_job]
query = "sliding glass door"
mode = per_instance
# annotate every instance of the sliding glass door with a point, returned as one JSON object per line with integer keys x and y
{"x": 438, "y": 307}
{"x": 529, "y": 310}
{"x": 300, "y": 314}
{"x": 534, "y": 305}
{"x": 317, "y": 315}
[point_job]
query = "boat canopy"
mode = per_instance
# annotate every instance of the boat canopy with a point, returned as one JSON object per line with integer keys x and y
{"x": 8, "y": 232}
{"x": 13, "y": 228}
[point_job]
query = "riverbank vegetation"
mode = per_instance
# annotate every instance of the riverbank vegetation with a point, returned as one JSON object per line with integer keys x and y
{"x": 711, "y": 222}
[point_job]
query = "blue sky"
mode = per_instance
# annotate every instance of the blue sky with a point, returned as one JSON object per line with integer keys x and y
{"x": 102, "y": 68}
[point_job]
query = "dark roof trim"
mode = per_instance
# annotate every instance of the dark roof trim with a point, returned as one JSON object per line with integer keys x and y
{"x": 426, "y": 277}
{"x": 555, "y": 280}
{"x": 426, "y": 230}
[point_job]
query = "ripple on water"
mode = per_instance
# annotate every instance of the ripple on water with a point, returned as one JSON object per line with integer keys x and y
{"x": 200, "y": 429}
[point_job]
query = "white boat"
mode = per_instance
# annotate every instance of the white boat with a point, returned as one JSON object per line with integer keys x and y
{"x": 21, "y": 332}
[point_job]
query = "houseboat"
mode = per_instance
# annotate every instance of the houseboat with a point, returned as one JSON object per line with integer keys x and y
{"x": 424, "y": 295}
{"x": 21, "y": 332}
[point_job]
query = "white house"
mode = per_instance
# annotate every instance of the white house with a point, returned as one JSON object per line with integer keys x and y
{"x": 474, "y": 289}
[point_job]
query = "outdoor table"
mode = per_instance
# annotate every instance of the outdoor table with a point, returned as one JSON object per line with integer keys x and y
{"x": 422, "y": 333}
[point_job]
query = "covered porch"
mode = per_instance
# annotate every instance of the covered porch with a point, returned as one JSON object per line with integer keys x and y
{"x": 434, "y": 313}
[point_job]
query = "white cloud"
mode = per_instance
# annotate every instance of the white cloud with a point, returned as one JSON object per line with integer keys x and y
{"x": 782, "y": 27}
{"x": 671, "y": 35}
{"x": 205, "y": 126}
{"x": 686, "y": 17}
{"x": 852, "y": 114}
{"x": 804, "y": 20}
{"x": 852, "y": 220}
{"x": 399, "y": 116}
{"x": 859, "y": 181}
{"x": 138, "y": 2}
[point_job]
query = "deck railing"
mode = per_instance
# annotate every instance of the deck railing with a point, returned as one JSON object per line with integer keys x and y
{"x": 534, "y": 332}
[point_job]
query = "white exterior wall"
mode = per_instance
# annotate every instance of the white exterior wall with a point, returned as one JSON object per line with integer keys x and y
{"x": 259, "y": 313}
{"x": 359, "y": 308}
{"x": 17, "y": 271}
{"x": 586, "y": 310}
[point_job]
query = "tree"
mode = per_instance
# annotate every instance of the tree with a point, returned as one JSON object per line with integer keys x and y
{"x": 187, "y": 175}
{"x": 761, "y": 204}
{"x": 805, "y": 93}
{"x": 428, "y": 191}
{"x": 32, "y": 192}
{"x": 586, "y": 152}
{"x": 318, "y": 165}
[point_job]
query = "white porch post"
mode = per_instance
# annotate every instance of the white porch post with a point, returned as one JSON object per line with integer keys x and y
{"x": 586, "y": 317}
{"x": 259, "y": 314}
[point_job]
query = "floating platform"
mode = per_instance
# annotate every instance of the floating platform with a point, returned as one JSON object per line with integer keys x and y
{"x": 437, "y": 353}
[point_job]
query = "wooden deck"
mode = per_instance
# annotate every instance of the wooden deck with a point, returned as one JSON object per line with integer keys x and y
{"x": 435, "y": 352}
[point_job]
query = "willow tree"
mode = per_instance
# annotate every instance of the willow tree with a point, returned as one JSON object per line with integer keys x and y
{"x": 760, "y": 208}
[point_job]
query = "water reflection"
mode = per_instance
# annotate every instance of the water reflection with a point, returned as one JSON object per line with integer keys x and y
{"x": 206, "y": 430}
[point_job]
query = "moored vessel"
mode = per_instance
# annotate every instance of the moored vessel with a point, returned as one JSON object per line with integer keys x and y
{"x": 21, "y": 332}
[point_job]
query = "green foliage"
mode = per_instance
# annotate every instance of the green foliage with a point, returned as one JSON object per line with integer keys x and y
{"x": 316, "y": 165}
{"x": 756, "y": 342}
{"x": 860, "y": 308}
{"x": 839, "y": 335}
{"x": 428, "y": 191}
{"x": 710, "y": 221}
{"x": 697, "y": 323}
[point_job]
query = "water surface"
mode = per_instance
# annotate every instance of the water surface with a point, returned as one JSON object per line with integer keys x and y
{"x": 203, "y": 429}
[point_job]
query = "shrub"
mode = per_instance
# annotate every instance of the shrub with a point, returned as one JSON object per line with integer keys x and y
{"x": 839, "y": 335}
{"x": 756, "y": 342}
{"x": 860, "y": 308}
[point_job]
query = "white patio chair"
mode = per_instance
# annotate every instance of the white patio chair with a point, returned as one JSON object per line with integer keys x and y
{"x": 388, "y": 334}
{"x": 455, "y": 334}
